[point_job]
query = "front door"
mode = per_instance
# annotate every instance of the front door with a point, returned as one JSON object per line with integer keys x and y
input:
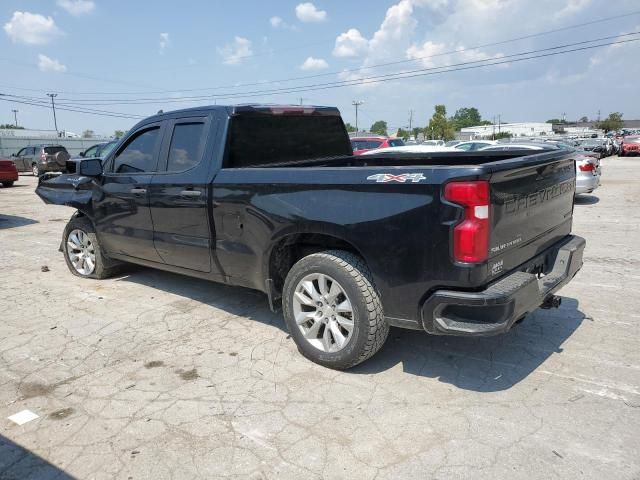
{"x": 123, "y": 217}
{"x": 179, "y": 196}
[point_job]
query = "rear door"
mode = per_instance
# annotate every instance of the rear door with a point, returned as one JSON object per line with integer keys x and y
{"x": 19, "y": 159}
{"x": 123, "y": 216}
{"x": 179, "y": 195}
{"x": 532, "y": 208}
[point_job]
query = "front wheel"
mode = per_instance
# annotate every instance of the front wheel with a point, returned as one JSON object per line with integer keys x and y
{"x": 35, "y": 170}
{"x": 7, "y": 184}
{"x": 82, "y": 251}
{"x": 333, "y": 310}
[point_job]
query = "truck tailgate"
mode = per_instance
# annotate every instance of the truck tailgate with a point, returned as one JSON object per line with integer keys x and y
{"x": 532, "y": 208}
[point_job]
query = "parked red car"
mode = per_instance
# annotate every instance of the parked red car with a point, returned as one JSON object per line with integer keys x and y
{"x": 8, "y": 172}
{"x": 364, "y": 144}
{"x": 630, "y": 146}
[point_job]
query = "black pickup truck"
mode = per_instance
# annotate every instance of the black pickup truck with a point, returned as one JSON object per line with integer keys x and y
{"x": 272, "y": 198}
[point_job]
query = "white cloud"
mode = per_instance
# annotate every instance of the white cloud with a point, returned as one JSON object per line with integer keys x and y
{"x": 571, "y": 8}
{"x": 31, "y": 28}
{"x": 77, "y": 7}
{"x": 46, "y": 64}
{"x": 233, "y": 53}
{"x": 276, "y": 22}
{"x": 314, "y": 64}
{"x": 431, "y": 54}
{"x": 307, "y": 12}
{"x": 164, "y": 42}
{"x": 350, "y": 44}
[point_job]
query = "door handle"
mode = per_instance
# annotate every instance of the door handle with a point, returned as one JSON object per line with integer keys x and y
{"x": 138, "y": 191}
{"x": 190, "y": 193}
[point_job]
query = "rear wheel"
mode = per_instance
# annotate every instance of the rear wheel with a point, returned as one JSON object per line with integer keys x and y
{"x": 35, "y": 170}
{"x": 7, "y": 184}
{"x": 82, "y": 251}
{"x": 333, "y": 310}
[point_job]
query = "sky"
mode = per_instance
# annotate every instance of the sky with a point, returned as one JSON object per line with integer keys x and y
{"x": 125, "y": 60}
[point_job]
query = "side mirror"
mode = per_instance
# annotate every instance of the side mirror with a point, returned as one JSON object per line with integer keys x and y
{"x": 81, "y": 154}
{"x": 14, "y": 155}
{"x": 91, "y": 167}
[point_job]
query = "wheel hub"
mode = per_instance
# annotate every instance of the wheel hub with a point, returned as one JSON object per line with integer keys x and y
{"x": 323, "y": 312}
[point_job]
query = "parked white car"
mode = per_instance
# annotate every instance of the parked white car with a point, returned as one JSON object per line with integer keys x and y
{"x": 473, "y": 145}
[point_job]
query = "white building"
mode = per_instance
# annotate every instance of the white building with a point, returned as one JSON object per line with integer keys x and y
{"x": 526, "y": 129}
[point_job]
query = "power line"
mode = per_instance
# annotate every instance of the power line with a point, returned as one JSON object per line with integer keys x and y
{"x": 44, "y": 104}
{"x": 369, "y": 67}
{"x": 397, "y": 76}
{"x": 364, "y": 80}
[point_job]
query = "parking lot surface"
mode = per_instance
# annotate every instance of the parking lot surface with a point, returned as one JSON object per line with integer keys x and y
{"x": 154, "y": 375}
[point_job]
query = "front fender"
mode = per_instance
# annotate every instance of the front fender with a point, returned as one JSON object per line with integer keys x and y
{"x": 69, "y": 190}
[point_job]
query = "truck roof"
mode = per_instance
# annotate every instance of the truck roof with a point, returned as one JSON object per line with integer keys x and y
{"x": 254, "y": 108}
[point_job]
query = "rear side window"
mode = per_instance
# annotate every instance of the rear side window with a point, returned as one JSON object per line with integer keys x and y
{"x": 264, "y": 140}
{"x": 396, "y": 143}
{"x": 138, "y": 155}
{"x": 54, "y": 150}
{"x": 187, "y": 143}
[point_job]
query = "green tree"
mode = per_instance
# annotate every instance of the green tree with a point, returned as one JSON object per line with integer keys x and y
{"x": 466, "y": 117}
{"x": 416, "y": 131}
{"x": 503, "y": 135}
{"x": 583, "y": 119}
{"x": 612, "y": 122}
{"x": 118, "y": 133}
{"x": 379, "y": 127}
{"x": 439, "y": 126}
{"x": 402, "y": 133}
{"x": 10, "y": 126}
{"x": 555, "y": 120}
{"x": 350, "y": 128}
{"x": 88, "y": 134}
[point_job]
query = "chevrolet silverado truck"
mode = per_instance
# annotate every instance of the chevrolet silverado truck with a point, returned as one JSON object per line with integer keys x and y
{"x": 272, "y": 198}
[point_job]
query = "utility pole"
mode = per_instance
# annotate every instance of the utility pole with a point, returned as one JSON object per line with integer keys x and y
{"x": 598, "y": 116}
{"x": 15, "y": 116}
{"x": 493, "y": 124}
{"x": 302, "y": 100}
{"x": 356, "y": 104}
{"x": 53, "y": 105}
{"x": 564, "y": 117}
{"x": 498, "y": 124}
{"x": 410, "y": 121}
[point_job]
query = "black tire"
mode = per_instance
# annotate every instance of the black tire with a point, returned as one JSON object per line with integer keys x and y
{"x": 7, "y": 184}
{"x": 105, "y": 267}
{"x": 370, "y": 330}
{"x": 35, "y": 170}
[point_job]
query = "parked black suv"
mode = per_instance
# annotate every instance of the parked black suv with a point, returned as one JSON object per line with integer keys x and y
{"x": 272, "y": 198}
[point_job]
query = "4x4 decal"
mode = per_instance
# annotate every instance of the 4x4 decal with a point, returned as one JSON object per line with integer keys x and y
{"x": 402, "y": 178}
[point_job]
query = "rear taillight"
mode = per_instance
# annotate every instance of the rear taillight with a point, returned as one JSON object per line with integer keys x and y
{"x": 586, "y": 167}
{"x": 471, "y": 236}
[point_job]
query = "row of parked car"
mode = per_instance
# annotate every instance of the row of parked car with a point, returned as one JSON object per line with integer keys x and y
{"x": 41, "y": 159}
{"x": 588, "y": 165}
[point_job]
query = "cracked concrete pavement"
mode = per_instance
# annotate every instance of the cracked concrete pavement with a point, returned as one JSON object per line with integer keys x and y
{"x": 155, "y": 375}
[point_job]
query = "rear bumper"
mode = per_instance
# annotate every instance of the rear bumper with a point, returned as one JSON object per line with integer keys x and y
{"x": 587, "y": 183}
{"x": 6, "y": 176}
{"x": 495, "y": 309}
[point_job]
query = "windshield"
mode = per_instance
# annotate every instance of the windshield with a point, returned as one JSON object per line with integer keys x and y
{"x": 54, "y": 150}
{"x": 106, "y": 149}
